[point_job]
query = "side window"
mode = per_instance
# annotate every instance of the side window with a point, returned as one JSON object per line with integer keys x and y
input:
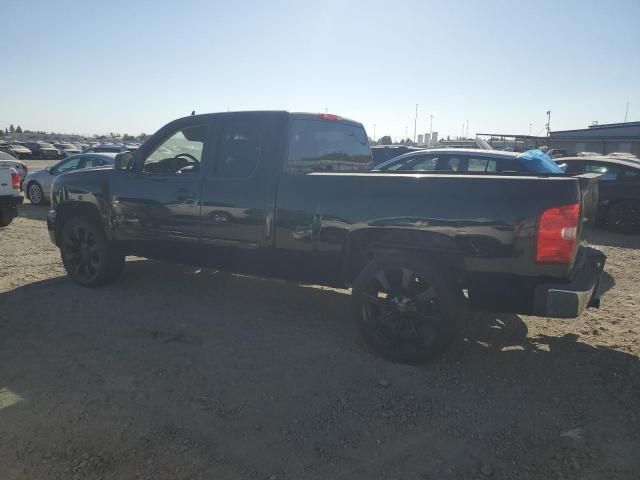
{"x": 573, "y": 167}
{"x": 419, "y": 162}
{"x": 608, "y": 171}
{"x": 179, "y": 154}
{"x": 430, "y": 163}
{"x": 239, "y": 148}
{"x": 630, "y": 175}
{"x": 481, "y": 165}
{"x": 92, "y": 162}
{"x": 67, "y": 165}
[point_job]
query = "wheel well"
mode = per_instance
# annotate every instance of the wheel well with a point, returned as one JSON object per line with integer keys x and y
{"x": 67, "y": 211}
{"x": 365, "y": 245}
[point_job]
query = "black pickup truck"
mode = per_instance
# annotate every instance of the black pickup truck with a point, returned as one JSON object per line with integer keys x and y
{"x": 291, "y": 196}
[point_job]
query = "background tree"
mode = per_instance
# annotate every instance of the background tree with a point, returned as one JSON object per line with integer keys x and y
{"x": 11, "y": 128}
{"x": 1, "y": 133}
{"x": 386, "y": 140}
{"x": 19, "y": 129}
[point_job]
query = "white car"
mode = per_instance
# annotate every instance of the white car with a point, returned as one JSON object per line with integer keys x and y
{"x": 7, "y": 160}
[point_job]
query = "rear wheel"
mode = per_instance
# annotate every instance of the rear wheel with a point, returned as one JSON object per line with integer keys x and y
{"x": 624, "y": 217}
{"x": 35, "y": 193}
{"x": 88, "y": 257}
{"x": 405, "y": 309}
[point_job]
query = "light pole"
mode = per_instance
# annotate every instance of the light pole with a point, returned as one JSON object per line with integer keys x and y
{"x": 530, "y": 128}
{"x": 548, "y": 123}
{"x": 374, "y": 132}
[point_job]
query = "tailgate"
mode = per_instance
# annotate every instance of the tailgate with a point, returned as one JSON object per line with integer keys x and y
{"x": 589, "y": 195}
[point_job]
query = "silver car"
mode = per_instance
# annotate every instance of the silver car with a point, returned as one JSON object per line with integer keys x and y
{"x": 38, "y": 184}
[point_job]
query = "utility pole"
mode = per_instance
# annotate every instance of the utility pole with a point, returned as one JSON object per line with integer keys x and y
{"x": 467, "y": 128}
{"x": 374, "y": 132}
{"x": 548, "y": 123}
{"x": 626, "y": 113}
{"x": 415, "y": 124}
{"x": 431, "y": 132}
{"x": 530, "y": 128}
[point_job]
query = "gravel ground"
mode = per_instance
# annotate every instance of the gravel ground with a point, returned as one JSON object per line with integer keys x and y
{"x": 181, "y": 373}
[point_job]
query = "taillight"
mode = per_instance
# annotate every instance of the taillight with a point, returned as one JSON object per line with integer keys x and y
{"x": 15, "y": 179}
{"x": 558, "y": 234}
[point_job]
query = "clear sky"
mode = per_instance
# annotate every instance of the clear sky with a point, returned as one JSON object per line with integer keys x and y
{"x": 131, "y": 66}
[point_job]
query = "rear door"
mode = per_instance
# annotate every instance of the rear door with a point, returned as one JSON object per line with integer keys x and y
{"x": 238, "y": 188}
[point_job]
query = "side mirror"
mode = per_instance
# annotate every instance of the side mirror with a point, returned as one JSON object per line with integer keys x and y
{"x": 48, "y": 170}
{"x": 123, "y": 161}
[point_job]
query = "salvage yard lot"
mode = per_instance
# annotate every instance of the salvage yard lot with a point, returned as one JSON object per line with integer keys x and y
{"x": 181, "y": 372}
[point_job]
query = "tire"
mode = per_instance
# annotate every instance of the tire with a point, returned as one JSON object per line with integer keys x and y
{"x": 35, "y": 193}
{"x": 624, "y": 217}
{"x": 7, "y": 214}
{"x": 87, "y": 255}
{"x": 405, "y": 309}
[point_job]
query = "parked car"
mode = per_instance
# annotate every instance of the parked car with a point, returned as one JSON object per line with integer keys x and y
{"x": 471, "y": 160}
{"x": 382, "y": 153}
{"x": 7, "y": 160}
{"x": 10, "y": 196}
{"x": 66, "y": 149}
{"x": 556, "y": 152}
{"x": 42, "y": 150}
{"x": 619, "y": 189}
{"x": 15, "y": 149}
{"x": 625, "y": 155}
{"x": 38, "y": 184}
{"x": 588, "y": 154}
{"x": 292, "y": 196}
{"x": 107, "y": 149}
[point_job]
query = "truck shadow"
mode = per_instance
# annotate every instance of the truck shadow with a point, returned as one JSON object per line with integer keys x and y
{"x": 271, "y": 377}
{"x": 599, "y": 236}
{"x": 33, "y": 212}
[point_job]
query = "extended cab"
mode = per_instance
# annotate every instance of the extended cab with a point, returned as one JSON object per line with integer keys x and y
{"x": 292, "y": 196}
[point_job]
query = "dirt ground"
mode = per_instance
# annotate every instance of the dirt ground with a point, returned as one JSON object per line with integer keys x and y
{"x": 181, "y": 373}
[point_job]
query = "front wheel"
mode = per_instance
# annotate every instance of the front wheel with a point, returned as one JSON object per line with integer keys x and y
{"x": 88, "y": 256}
{"x": 405, "y": 309}
{"x": 624, "y": 217}
{"x": 35, "y": 194}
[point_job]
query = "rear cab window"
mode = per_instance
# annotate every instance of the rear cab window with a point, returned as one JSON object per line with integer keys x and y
{"x": 324, "y": 144}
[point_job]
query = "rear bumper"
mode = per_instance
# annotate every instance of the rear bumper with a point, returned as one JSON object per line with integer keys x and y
{"x": 11, "y": 200}
{"x": 569, "y": 300}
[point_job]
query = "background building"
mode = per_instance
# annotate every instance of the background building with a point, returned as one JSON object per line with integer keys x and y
{"x": 607, "y": 138}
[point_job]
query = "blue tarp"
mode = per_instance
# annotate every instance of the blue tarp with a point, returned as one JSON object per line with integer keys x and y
{"x": 538, "y": 162}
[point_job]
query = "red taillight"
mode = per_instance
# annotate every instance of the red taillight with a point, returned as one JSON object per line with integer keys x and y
{"x": 15, "y": 179}
{"x": 558, "y": 234}
{"x": 329, "y": 116}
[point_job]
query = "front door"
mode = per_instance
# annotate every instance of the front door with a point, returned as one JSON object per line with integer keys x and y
{"x": 157, "y": 204}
